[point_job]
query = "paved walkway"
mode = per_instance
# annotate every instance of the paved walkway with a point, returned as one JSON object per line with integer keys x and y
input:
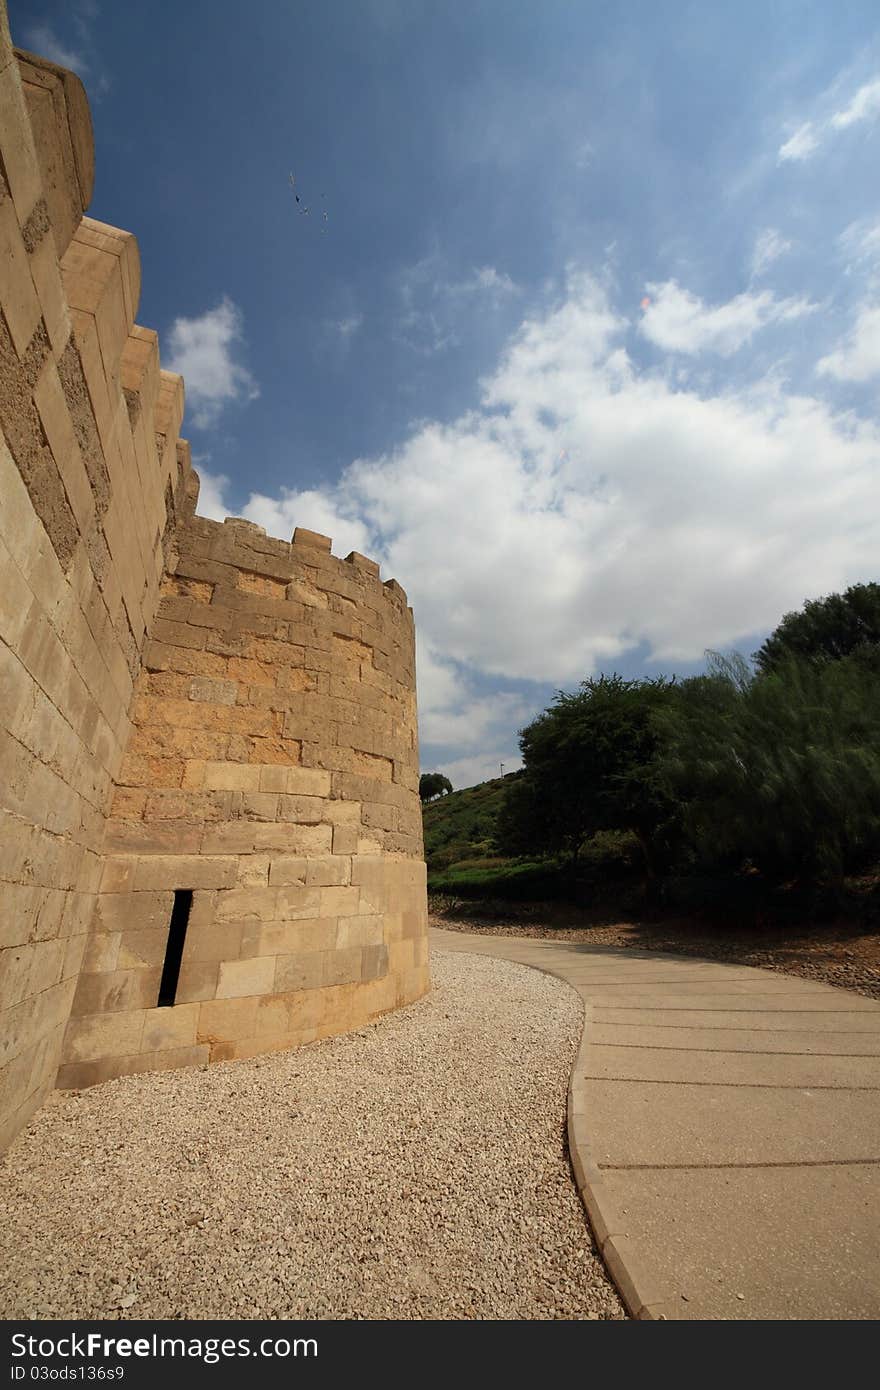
{"x": 724, "y": 1126}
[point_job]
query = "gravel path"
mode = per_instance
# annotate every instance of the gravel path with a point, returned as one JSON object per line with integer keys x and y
{"x": 414, "y": 1169}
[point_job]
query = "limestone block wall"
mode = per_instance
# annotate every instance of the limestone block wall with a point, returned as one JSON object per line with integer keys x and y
{"x": 197, "y": 722}
{"x": 273, "y": 773}
{"x": 89, "y": 469}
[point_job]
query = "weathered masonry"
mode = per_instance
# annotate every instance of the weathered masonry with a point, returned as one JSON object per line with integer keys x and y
{"x": 210, "y": 842}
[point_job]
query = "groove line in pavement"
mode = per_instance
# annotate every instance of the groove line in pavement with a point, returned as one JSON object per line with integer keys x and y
{"x": 730, "y": 1027}
{"x": 737, "y": 1051}
{"x": 742, "y": 1085}
{"x": 695, "y": 1167}
{"x": 710, "y": 1009}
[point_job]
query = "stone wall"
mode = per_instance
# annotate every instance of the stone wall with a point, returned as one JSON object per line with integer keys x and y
{"x": 272, "y": 772}
{"x": 184, "y": 705}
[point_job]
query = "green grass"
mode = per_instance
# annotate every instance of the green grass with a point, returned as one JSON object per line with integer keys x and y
{"x": 519, "y": 881}
{"x": 460, "y": 827}
{"x": 463, "y": 861}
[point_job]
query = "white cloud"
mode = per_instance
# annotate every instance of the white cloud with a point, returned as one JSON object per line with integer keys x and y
{"x": 860, "y": 242}
{"x": 347, "y": 327}
{"x": 679, "y": 321}
{"x": 315, "y": 511}
{"x": 212, "y": 487}
{"x": 583, "y": 155}
{"x": 864, "y": 106}
{"x": 203, "y": 351}
{"x": 43, "y": 40}
{"x": 485, "y": 280}
{"x": 587, "y": 508}
{"x": 800, "y": 145}
{"x": 432, "y": 303}
{"x": 769, "y": 246}
{"x": 858, "y": 357}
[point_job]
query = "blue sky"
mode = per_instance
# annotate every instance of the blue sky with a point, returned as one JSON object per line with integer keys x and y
{"x": 586, "y": 348}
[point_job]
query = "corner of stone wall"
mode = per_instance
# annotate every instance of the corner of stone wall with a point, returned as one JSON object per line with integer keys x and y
{"x": 93, "y": 477}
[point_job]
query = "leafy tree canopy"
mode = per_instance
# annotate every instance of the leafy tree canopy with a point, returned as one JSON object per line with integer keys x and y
{"x": 827, "y": 629}
{"x": 589, "y": 765}
{"x": 781, "y": 771}
{"x": 433, "y": 784}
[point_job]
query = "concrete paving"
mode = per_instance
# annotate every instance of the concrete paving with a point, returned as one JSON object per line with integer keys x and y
{"x": 724, "y": 1129}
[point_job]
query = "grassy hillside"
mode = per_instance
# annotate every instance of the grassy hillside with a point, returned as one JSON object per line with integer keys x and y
{"x": 463, "y": 861}
{"x": 461, "y": 825}
{"x": 459, "y": 848}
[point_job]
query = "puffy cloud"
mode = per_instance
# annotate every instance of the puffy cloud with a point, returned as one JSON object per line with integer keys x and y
{"x": 769, "y": 246}
{"x": 315, "y": 510}
{"x": 212, "y": 488}
{"x": 858, "y": 357}
{"x": 800, "y": 145}
{"x": 588, "y": 509}
{"x": 864, "y": 106}
{"x": 679, "y": 321}
{"x": 42, "y": 39}
{"x": 204, "y": 351}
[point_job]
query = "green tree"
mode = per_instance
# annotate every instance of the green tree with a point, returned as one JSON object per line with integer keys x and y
{"x": 433, "y": 784}
{"x": 781, "y": 771}
{"x": 589, "y": 765}
{"x": 827, "y": 629}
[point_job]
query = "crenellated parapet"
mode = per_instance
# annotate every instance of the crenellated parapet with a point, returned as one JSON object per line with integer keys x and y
{"x": 210, "y": 831}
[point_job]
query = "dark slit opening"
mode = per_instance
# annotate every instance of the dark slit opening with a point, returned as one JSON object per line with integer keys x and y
{"x": 174, "y": 950}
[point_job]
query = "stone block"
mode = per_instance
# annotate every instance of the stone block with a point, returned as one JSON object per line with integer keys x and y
{"x": 170, "y": 1027}
{"x": 253, "y": 871}
{"x": 231, "y": 777}
{"x": 273, "y": 778}
{"x": 78, "y": 1075}
{"x": 21, "y": 306}
{"x": 245, "y": 977}
{"x": 101, "y": 952}
{"x": 286, "y": 869}
{"x": 142, "y": 947}
{"x": 184, "y": 871}
{"x": 366, "y": 930}
{"x": 217, "y": 692}
{"x": 311, "y": 540}
{"x": 328, "y": 872}
{"x": 116, "y": 991}
{"x": 212, "y": 941}
{"x": 302, "y": 971}
{"x": 345, "y": 839}
{"x": 244, "y": 904}
{"x": 302, "y": 936}
{"x": 374, "y": 962}
{"x": 308, "y": 781}
{"x": 104, "y": 1035}
{"x": 301, "y": 810}
{"x": 129, "y": 912}
{"x": 294, "y": 902}
{"x": 248, "y": 837}
{"x": 197, "y": 981}
{"x": 343, "y": 966}
{"x": 224, "y": 1020}
{"x": 47, "y": 965}
{"x": 340, "y": 902}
